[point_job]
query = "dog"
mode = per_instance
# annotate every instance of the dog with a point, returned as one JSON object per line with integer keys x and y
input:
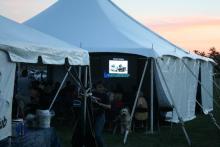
{"x": 123, "y": 120}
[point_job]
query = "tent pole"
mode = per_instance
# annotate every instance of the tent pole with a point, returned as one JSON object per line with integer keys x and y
{"x": 80, "y": 72}
{"x": 90, "y": 78}
{"x": 85, "y": 105}
{"x": 173, "y": 103}
{"x": 78, "y": 82}
{"x": 79, "y": 77}
{"x": 135, "y": 102}
{"x": 207, "y": 91}
{"x": 61, "y": 85}
{"x": 152, "y": 98}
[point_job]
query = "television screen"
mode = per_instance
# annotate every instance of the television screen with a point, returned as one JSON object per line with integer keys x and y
{"x": 118, "y": 67}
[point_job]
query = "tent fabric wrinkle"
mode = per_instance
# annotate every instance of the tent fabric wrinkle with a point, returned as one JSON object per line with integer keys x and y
{"x": 207, "y": 82}
{"x": 25, "y": 44}
{"x": 182, "y": 85}
{"x": 7, "y": 77}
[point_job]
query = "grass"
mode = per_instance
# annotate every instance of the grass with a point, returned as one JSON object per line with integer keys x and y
{"x": 202, "y": 131}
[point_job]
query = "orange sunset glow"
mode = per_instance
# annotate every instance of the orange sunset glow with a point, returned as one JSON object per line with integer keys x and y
{"x": 190, "y": 33}
{"x": 184, "y": 23}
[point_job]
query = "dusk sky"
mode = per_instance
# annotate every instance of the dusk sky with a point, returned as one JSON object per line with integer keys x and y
{"x": 190, "y": 24}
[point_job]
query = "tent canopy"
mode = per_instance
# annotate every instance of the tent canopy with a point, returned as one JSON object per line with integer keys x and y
{"x": 24, "y": 44}
{"x": 100, "y": 26}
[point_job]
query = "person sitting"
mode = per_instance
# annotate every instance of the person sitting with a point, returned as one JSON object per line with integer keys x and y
{"x": 141, "y": 113}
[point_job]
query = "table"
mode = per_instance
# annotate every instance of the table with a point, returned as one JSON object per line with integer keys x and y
{"x": 37, "y": 138}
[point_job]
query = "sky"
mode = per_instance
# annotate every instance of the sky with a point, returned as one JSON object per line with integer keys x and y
{"x": 190, "y": 24}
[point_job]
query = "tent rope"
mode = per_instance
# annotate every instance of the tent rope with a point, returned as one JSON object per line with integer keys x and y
{"x": 61, "y": 85}
{"x": 214, "y": 120}
{"x": 77, "y": 80}
{"x": 173, "y": 103}
{"x": 210, "y": 114}
{"x": 207, "y": 91}
{"x": 216, "y": 85}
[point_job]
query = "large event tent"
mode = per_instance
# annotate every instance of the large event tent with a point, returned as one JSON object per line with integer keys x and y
{"x": 19, "y": 43}
{"x": 99, "y": 26}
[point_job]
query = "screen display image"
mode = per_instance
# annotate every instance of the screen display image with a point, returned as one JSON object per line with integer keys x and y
{"x": 118, "y": 66}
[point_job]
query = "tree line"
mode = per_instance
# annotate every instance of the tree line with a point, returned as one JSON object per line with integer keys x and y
{"x": 213, "y": 54}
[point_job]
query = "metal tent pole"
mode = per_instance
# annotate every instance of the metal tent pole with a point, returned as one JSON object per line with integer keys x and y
{"x": 152, "y": 97}
{"x": 177, "y": 112}
{"x": 135, "y": 102}
{"x": 61, "y": 85}
{"x": 85, "y": 105}
{"x": 90, "y": 78}
{"x": 79, "y": 77}
{"x": 78, "y": 82}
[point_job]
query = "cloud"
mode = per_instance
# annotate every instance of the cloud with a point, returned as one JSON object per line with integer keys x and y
{"x": 191, "y": 33}
{"x": 180, "y": 21}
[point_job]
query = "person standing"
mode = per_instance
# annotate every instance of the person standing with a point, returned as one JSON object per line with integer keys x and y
{"x": 101, "y": 104}
{"x": 23, "y": 93}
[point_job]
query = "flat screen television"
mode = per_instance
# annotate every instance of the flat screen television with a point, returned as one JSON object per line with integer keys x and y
{"x": 118, "y": 68}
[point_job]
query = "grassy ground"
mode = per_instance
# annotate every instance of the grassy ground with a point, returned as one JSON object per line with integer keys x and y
{"x": 201, "y": 131}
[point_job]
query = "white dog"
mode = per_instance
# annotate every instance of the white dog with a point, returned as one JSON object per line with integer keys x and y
{"x": 123, "y": 120}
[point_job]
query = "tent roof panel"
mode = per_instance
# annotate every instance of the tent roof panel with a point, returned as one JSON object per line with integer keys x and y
{"x": 100, "y": 25}
{"x": 25, "y": 44}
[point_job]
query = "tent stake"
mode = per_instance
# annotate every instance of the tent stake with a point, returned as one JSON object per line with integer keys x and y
{"x": 135, "y": 102}
{"x": 173, "y": 103}
{"x": 61, "y": 85}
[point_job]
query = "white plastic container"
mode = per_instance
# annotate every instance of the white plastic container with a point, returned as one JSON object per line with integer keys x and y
{"x": 44, "y": 117}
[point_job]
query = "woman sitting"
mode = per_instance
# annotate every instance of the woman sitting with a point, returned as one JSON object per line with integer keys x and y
{"x": 141, "y": 113}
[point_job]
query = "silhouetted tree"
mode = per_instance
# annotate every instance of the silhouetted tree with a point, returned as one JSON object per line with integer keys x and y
{"x": 213, "y": 54}
{"x": 200, "y": 53}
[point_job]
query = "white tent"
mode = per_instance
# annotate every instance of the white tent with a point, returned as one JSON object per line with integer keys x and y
{"x": 33, "y": 44}
{"x": 100, "y": 26}
{"x": 19, "y": 43}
